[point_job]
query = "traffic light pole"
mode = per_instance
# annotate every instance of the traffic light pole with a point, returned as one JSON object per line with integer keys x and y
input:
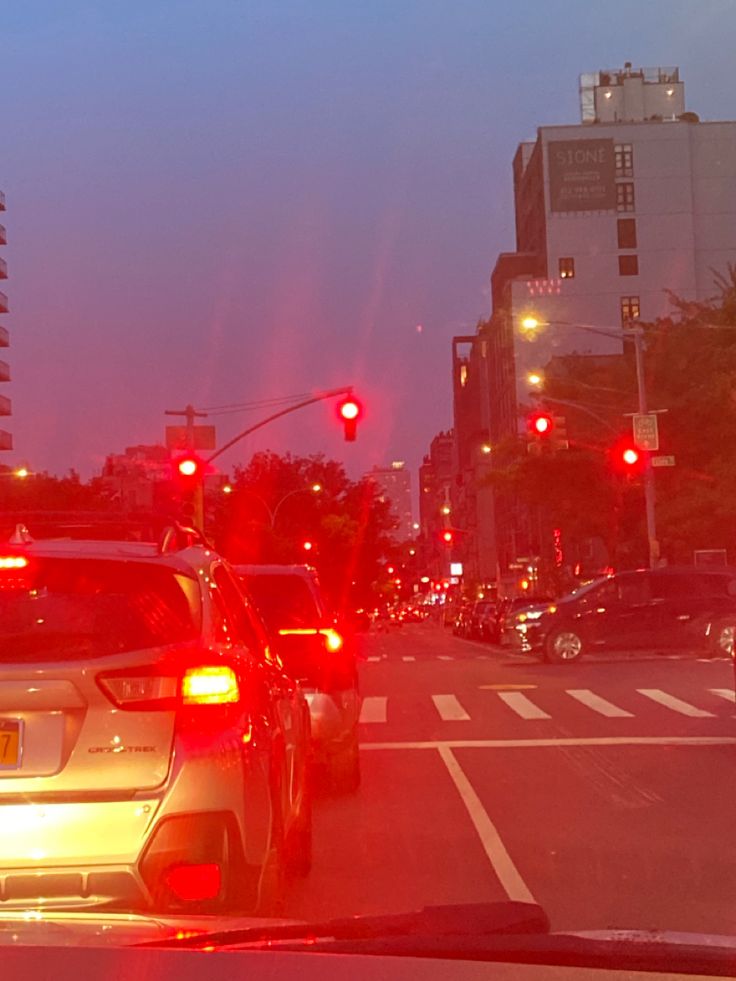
{"x": 190, "y": 414}
{"x": 648, "y": 474}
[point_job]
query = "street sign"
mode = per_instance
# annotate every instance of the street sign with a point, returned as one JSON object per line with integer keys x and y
{"x": 646, "y": 431}
{"x": 203, "y": 437}
{"x": 663, "y": 461}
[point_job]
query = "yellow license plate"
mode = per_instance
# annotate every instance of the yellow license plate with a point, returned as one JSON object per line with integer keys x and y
{"x": 9, "y": 743}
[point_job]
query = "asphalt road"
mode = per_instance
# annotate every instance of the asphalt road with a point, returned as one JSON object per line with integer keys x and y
{"x": 604, "y": 790}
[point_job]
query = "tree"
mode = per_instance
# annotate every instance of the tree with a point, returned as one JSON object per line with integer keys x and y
{"x": 274, "y": 510}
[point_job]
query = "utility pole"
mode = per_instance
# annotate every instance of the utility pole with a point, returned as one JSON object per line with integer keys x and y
{"x": 197, "y": 494}
{"x": 648, "y": 474}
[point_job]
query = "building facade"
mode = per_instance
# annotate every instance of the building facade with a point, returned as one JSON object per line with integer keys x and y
{"x": 6, "y": 439}
{"x": 395, "y": 486}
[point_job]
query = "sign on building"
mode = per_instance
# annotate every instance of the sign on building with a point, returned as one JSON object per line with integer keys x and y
{"x": 582, "y": 175}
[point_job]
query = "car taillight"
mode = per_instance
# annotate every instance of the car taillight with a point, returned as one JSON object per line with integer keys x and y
{"x": 136, "y": 691}
{"x": 142, "y": 690}
{"x": 15, "y": 573}
{"x": 210, "y": 685}
{"x": 333, "y": 640}
{"x": 194, "y": 883}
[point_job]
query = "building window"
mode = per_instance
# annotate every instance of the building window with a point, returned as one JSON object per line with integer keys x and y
{"x": 626, "y": 228}
{"x": 625, "y": 196}
{"x": 567, "y": 268}
{"x": 463, "y": 375}
{"x": 629, "y": 309}
{"x": 624, "y": 158}
{"x": 628, "y": 265}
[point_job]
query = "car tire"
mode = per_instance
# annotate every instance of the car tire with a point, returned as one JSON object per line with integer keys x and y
{"x": 298, "y": 846}
{"x": 563, "y": 645}
{"x": 346, "y": 768}
{"x": 723, "y": 639}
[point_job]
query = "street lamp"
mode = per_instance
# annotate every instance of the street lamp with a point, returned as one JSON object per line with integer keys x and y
{"x": 534, "y": 378}
{"x": 445, "y": 509}
{"x": 273, "y": 512}
{"x": 530, "y": 323}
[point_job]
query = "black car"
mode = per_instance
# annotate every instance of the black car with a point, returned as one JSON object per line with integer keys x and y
{"x": 672, "y": 609}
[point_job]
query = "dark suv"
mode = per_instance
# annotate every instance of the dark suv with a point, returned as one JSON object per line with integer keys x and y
{"x": 318, "y": 654}
{"x": 671, "y": 609}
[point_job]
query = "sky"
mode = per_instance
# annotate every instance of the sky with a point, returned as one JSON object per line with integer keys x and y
{"x": 221, "y": 202}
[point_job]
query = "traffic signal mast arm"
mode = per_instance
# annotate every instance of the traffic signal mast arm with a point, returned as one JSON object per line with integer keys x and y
{"x": 277, "y": 415}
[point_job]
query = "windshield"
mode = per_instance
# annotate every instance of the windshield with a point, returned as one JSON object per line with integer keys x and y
{"x": 368, "y": 421}
{"x": 283, "y": 601}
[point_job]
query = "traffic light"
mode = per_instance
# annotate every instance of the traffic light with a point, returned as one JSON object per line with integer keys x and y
{"x": 541, "y": 424}
{"x": 189, "y": 478}
{"x": 447, "y": 536}
{"x": 626, "y": 458}
{"x": 350, "y": 410}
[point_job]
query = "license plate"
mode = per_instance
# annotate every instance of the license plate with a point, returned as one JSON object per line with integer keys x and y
{"x": 9, "y": 744}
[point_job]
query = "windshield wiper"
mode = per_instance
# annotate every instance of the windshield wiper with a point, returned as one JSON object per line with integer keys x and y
{"x": 463, "y": 919}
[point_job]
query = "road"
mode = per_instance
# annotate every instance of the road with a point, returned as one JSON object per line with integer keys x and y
{"x": 604, "y": 790}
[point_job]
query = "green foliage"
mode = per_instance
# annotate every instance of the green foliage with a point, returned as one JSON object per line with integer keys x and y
{"x": 273, "y": 510}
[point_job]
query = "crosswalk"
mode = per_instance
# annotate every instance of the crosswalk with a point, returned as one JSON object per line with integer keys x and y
{"x": 422, "y": 659}
{"x": 706, "y": 703}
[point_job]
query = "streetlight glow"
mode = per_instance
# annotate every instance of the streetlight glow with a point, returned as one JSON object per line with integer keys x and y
{"x": 316, "y": 488}
{"x": 446, "y": 509}
{"x": 22, "y": 472}
{"x": 227, "y": 489}
{"x": 534, "y": 378}
{"x": 485, "y": 448}
{"x": 530, "y": 323}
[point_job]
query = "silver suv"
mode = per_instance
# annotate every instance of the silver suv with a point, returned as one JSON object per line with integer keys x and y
{"x": 153, "y": 754}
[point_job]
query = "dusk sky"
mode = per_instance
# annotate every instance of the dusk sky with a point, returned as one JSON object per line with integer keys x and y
{"x": 222, "y": 202}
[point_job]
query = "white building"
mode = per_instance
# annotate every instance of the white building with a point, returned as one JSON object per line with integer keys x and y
{"x": 637, "y": 200}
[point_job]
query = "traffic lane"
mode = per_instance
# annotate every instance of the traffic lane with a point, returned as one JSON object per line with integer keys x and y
{"x": 617, "y": 836}
{"x": 438, "y": 700}
{"x": 403, "y": 841}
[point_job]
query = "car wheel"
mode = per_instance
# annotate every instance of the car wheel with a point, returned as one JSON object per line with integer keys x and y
{"x": 298, "y": 847}
{"x": 563, "y": 645}
{"x": 723, "y": 640}
{"x": 346, "y": 768}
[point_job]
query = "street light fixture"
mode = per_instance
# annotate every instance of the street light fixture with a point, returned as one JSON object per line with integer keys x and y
{"x": 534, "y": 378}
{"x": 530, "y": 323}
{"x": 486, "y": 448}
{"x": 445, "y": 509}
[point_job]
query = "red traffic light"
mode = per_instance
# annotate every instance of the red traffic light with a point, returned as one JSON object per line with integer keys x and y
{"x": 350, "y": 410}
{"x": 630, "y": 456}
{"x": 447, "y": 537}
{"x": 307, "y": 546}
{"x": 541, "y": 423}
{"x": 189, "y": 468}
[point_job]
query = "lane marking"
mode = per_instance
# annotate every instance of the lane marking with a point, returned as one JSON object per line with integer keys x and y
{"x": 562, "y": 741}
{"x": 501, "y": 862}
{"x": 408, "y": 657}
{"x": 445, "y": 657}
{"x": 506, "y": 687}
{"x": 598, "y": 704}
{"x": 522, "y": 705}
{"x": 728, "y": 693}
{"x": 450, "y": 709}
{"x": 676, "y": 704}
{"x": 373, "y": 659}
{"x": 373, "y": 709}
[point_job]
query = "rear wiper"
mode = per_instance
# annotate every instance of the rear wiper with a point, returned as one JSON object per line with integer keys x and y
{"x": 462, "y": 919}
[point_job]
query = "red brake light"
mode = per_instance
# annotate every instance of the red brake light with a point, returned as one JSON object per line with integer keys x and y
{"x": 13, "y": 562}
{"x": 15, "y": 572}
{"x": 210, "y": 685}
{"x": 194, "y": 883}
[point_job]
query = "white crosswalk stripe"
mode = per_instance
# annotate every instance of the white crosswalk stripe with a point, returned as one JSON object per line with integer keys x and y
{"x": 408, "y": 657}
{"x": 445, "y": 657}
{"x": 728, "y": 693}
{"x": 450, "y": 709}
{"x": 373, "y": 709}
{"x": 676, "y": 704}
{"x": 598, "y": 704}
{"x": 522, "y": 705}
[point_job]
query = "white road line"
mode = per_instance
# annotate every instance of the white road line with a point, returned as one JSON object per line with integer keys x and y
{"x": 445, "y": 657}
{"x": 562, "y": 741}
{"x": 373, "y": 709}
{"x": 522, "y": 705}
{"x": 676, "y": 704}
{"x": 728, "y": 693}
{"x": 408, "y": 657}
{"x": 598, "y": 704}
{"x": 450, "y": 709}
{"x": 501, "y": 862}
{"x": 373, "y": 659}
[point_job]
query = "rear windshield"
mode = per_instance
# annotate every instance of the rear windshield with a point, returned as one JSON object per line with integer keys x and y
{"x": 91, "y": 608}
{"x": 284, "y": 601}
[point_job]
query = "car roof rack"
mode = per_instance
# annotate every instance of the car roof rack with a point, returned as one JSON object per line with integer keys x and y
{"x": 177, "y": 537}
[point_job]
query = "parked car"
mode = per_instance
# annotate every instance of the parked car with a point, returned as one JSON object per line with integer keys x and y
{"x": 684, "y": 609}
{"x": 481, "y": 621}
{"x": 317, "y": 653}
{"x": 154, "y": 754}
